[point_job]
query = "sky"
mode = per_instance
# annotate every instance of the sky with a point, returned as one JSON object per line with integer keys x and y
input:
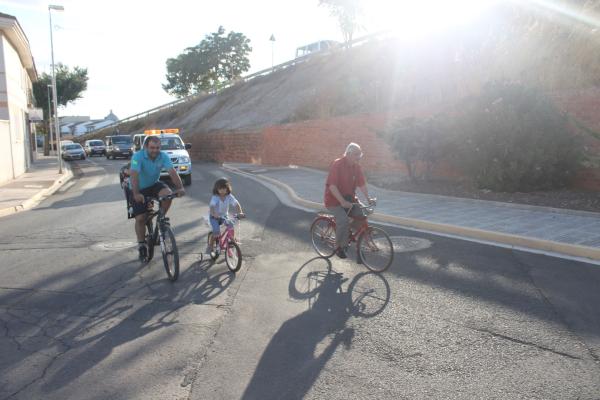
{"x": 124, "y": 44}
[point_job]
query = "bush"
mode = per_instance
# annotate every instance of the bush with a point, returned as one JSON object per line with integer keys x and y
{"x": 512, "y": 138}
{"x": 421, "y": 144}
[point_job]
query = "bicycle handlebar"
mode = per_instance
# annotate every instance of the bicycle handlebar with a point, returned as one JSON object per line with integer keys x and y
{"x": 162, "y": 198}
{"x": 236, "y": 216}
{"x": 370, "y": 208}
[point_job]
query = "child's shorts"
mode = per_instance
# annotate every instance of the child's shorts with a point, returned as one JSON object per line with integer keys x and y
{"x": 216, "y": 223}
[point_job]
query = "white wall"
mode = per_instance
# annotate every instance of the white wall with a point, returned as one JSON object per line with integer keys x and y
{"x": 14, "y": 84}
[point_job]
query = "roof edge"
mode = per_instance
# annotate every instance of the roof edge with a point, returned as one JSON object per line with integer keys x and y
{"x": 10, "y": 27}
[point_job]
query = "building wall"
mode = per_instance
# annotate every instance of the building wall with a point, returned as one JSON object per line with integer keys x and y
{"x": 316, "y": 143}
{"x": 312, "y": 143}
{"x": 14, "y": 86}
{"x": 240, "y": 146}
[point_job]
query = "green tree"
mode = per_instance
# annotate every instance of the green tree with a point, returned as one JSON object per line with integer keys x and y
{"x": 70, "y": 84}
{"x": 347, "y": 13}
{"x": 219, "y": 58}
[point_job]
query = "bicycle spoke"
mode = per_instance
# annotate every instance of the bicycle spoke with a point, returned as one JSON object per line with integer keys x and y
{"x": 323, "y": 236}
{"x": 376, "y": 249}
{"x": 170, "y": 253}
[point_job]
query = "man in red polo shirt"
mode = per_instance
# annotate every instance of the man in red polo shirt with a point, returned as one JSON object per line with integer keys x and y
{"x": 345, "y": 175}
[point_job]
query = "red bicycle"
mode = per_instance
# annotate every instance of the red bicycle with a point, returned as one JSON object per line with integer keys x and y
{"x": 226, "y": 243}
{"x": 373, "y": 245}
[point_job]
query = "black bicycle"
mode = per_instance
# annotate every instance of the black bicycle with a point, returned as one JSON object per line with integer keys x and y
{"x": 161, "y": 233}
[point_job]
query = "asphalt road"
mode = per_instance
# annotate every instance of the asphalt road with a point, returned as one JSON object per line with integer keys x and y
{"x": 80, "y": 318}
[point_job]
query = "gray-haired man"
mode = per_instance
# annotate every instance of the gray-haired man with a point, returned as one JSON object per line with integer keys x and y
{"x": 345, "y": 175}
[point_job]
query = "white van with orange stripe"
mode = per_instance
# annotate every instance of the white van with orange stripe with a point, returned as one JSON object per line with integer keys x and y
{"x": 170, "y": 143}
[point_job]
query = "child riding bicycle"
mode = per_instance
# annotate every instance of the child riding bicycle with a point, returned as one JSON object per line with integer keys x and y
{"x": 222, "y": 198}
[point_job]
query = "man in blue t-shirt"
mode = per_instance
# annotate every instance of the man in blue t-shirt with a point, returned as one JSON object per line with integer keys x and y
{"x": 144, "y": 182}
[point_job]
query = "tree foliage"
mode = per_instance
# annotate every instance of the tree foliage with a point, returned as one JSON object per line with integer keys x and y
{"x": 507, "y": 138}
{"x": 513, "y": 138}
{"x": 347, "y": 13}
{"x": 70, "y": 84}
{"x": 219, "y": 58}
{"x": 421, "y": 144}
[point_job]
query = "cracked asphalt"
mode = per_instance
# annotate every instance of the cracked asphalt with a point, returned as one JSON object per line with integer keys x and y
{"x": 80, "y": 318}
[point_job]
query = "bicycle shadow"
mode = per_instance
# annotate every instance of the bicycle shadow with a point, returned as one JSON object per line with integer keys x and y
{"x": 120, "y": 320}
{"x": 303, "y": 345}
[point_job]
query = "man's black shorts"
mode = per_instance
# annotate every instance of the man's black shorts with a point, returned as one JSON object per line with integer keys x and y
{"x": 150, "y": 191}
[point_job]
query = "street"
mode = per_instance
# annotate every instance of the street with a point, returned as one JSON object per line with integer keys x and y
{"x": 81, "y": 318}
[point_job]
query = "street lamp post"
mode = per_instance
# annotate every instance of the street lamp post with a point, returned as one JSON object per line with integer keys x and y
{"x": 272, "y": 39}
{"x": 50, "y": 136}
{"x": 54, "y": 96}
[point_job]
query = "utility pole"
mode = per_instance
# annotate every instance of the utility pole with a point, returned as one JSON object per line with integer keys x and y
{"x": 50, "y": 139}
{"x": 54, "y": 96}
{"x": 272, "y": 39}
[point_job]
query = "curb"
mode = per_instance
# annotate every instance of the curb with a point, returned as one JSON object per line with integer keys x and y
{"x": 514, "y": 206}
{"x": 514, "y": 241}
{"x": 39, "y": 196}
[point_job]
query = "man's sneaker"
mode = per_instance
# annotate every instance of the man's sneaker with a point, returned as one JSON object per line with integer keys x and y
{"x": 341, "y": 253}
{"x": 143, "y": 251}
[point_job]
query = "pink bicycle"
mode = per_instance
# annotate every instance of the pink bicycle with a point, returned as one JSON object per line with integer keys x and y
{"x": 226, "y": 243}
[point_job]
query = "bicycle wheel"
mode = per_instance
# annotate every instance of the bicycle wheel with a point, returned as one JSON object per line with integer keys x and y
{"x": 375, "y": 249}
{"x": 170, "y": 254}
{"x": 369, "y": 294}
{"x": 150, "y": 240}
{"x": 306, "y": 282}
{"x": 233, "y": 256}
{"x": 322, "y": 232}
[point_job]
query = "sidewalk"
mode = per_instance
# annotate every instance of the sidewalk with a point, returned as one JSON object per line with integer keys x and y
{"x": 573, "y": 233}
{"x": 29, "y": 189}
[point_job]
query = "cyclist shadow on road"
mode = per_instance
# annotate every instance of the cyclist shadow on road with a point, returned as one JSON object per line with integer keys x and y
{"x": 295, "y": 356}
{"x": 119, "y": 321}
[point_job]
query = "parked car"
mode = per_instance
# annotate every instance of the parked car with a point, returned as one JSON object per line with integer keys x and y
{"x": 73, "y": 151}
{"x": 94, "y": 146}
{"x": 118, "y": 146}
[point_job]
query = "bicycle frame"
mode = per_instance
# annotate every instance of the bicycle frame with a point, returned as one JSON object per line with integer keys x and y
{"x": 228, "y": 234}
{"x": 160, "y": 219}
{"x": 363, "y": 226}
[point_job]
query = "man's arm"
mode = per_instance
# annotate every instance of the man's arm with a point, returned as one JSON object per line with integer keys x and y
{"x": 336, "y": 193}
{"x": 135, "y": 186}
{"x": 362, "y": 185}
{"x": 177, "y": 181}
{"x": 365, "y": 192}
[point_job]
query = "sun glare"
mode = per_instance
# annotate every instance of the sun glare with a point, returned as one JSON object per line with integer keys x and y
{"x": 415, "y": 18}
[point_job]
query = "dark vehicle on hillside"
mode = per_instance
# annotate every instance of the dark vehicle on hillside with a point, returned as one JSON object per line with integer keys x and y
{"x": 118, "y": 146}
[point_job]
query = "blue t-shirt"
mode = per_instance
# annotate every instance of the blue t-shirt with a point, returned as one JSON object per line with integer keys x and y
{"x": 149, "y": 170}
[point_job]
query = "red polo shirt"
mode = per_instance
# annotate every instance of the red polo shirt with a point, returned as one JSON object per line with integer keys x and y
{"x": 346, "y": 177}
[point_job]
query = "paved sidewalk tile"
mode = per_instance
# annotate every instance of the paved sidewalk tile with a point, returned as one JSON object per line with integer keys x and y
{"x": 42, "y": 175}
